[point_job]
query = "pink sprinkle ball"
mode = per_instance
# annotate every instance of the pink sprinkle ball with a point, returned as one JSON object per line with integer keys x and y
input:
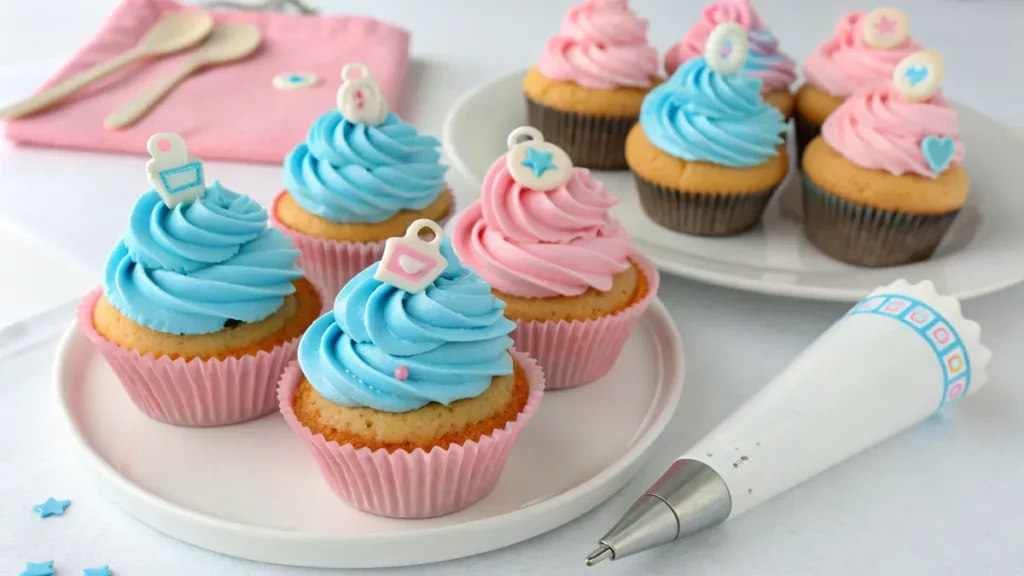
{"x": 401, "y": 373}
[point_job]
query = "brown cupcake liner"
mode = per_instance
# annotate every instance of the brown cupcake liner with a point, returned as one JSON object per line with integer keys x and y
{"x": 866, "y": 236}
{"x": 805, "y": 132}
{"x": 596, "y": 142}
{"x": 702, "y": 214}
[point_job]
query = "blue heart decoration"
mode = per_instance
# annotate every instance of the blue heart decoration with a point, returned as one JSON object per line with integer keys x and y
{"x": 916, "y": 74}
{"x": 938, "y": 152}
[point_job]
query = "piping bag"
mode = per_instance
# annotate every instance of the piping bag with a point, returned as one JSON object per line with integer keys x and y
{"x": 893, "y": 360}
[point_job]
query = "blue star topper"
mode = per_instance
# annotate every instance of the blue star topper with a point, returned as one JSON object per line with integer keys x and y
{"x": 916, "y": 74}
{"x": 51, "y": 507}
{"x": 101, "y": 571}
{"x": 43, "y": 569}
{"x": 539, "y": 162}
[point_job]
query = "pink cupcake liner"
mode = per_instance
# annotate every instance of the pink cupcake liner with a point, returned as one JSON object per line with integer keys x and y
{"x": 401, "y": 484}
{"x": 194, "y": 392}
{"x": 330, "y": 264}
{"x": 579, "y": 352}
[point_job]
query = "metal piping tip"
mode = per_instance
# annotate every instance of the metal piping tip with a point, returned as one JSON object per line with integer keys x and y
{"x": 602, "y": 553}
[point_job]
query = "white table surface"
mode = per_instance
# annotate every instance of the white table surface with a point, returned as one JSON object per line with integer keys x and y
{"x": 941, "y": 499}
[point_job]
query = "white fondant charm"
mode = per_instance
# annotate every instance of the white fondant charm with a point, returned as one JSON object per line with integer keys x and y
{"x": 295, "y": 80}
{"x": 727, "y": 48}
{"x": 885, "y": 28}
{"x": 534, "y": 163}
{"x": 359, "y": 98}
{"x": 176, "y": 176}
{"x": 411, "y": 263}
{"x": 918, "y": 77}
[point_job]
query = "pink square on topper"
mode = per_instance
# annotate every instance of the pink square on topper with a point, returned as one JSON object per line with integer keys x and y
{"x": 230, "y": 112}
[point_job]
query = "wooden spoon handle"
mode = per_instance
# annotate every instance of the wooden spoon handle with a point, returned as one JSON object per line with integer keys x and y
{"x": 142, "y": 102}
{"x": 58, "y": 92}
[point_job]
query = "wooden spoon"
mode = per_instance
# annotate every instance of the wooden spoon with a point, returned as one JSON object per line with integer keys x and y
{"x": 171, "y": 33}
{"x": 227, "y": 43}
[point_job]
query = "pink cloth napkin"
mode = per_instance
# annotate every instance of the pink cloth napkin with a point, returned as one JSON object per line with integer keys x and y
{"x": 230, "y": 112}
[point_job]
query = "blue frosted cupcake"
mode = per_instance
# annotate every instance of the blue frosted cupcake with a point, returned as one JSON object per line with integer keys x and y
{"x": 201, "y": 306}
{"x": 708, "y": 152}
{"x": 361, "y": 176}
{"x": 411, "y": 377}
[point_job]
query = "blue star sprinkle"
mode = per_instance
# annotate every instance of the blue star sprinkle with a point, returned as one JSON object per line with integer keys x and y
{"x": 51, "y": 507}
{"x": 44, "y": 569}
{"x": 539, "y": 161}
{"x": 101, "y": 571}
{"x": 916, "y": 74}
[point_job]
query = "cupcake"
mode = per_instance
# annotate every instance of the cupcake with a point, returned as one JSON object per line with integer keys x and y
{"x": 864, "y": 50}
{"x": 586, "y": 90}
{"x": 362, "y": 176}
{"x": 708, "y": 151}
{"x": 884, "y": 181}
{"x": 542, "y": 236}
{"x": 773, "y": 68}
{"x": 202, "y": 305}
{"x": 408, "y": 393}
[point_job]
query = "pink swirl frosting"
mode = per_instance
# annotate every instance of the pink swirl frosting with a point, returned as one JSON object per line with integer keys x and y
{"x": 846, "y": 63}
{"x": 603, "y": 45}
{"x": 536, "y": 244}
{"x": 775, "y": 69}
{"x": 879, "y": 130}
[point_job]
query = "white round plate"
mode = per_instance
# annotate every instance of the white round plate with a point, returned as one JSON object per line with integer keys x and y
{"x": 253, "y": 491}
{"x": 981, "y": 254}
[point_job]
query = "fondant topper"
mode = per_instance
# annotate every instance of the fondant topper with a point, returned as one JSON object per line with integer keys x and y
{"x": 411, "y": 263}
{"x": 727, "y": 48}
{"x": 359, "y": 98}
{"x": 295, "y": 80}
{"x": 534, "y": 163}
{"x": 176, "y": 176}
{"x": 885, "y": 28}
{"x": 918, "y": 77}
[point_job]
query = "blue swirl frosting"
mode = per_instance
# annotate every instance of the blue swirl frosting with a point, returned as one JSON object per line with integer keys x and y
{"x": 452, "y": 337}
{"x": 700, "y": 115}
{"x": 355, "y": 173}
{"x": 190, "y": 269}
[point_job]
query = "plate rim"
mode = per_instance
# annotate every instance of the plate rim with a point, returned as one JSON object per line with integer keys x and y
{"x": 157, "y": 512}
{"x": 753, "y": 285}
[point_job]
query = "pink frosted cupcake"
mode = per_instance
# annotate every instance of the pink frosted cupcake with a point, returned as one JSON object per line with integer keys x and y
{"x": 765, "y": 61}
{"x": 542, "y": 236}
{"x": 885, "y": 180}
{"x": 361, "y": 176}
{"x": 864, "y": 50}
{"x": 202, "y": 304}
{"x": 408, "y": 393}
{"x": 585, "y": 92}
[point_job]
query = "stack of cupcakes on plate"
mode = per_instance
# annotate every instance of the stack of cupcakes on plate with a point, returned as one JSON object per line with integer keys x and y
{"x": 585, "y": 92}
{"x": 864, "y": 51}
{"x": 362, "y": 176}
{"x": 202, "y": 304}
{"x": 884, "y": 181}
{"x": 766, "y": 62}
{"x": 542, "y": 236}
{"x": 408, "y": 393}
{"x": 708, "y": 152}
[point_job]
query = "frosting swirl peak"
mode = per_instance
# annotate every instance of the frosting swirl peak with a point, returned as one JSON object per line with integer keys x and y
{"x": 540, "y": 244}
{"x": 357, "y": 173}
{"x": 846, "y": 62}
{"x": 877, "y": 129}
{"x": 700, "y": 115}
{"x": 765, "y": 61}
{"x": 603, "y": 45}
{"x": 452, "y": 338}
{"x": 191, "y": 268}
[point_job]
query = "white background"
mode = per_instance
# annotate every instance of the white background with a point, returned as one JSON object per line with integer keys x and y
{"x": 942, "y": 499}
